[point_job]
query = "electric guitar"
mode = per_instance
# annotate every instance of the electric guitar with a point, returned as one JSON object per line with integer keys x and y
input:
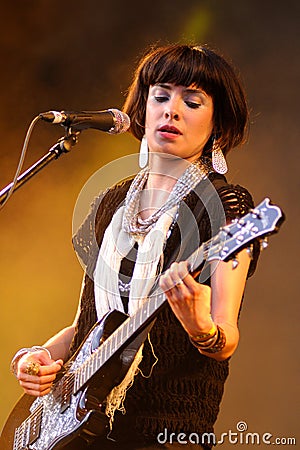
{"x": 73, "y": 413}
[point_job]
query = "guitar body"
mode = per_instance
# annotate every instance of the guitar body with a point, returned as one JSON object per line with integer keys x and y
{"x": 64, "y": 418}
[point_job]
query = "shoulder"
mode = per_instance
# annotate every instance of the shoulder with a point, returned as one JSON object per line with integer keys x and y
{"x": 236, "y": 202}
{"x": 118, "y": 191}
{"x": 87, "y": 238}
{"x": 236, "y": 199}
{"x": 223, "y": 202}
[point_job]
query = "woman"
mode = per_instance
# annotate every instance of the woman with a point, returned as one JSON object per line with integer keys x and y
{"x": 188, "y": 109}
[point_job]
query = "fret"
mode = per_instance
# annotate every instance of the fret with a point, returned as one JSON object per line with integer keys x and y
{"x": 133, "y": 320}
{"x": 97, "y": 362}
{"x": 76, "y": 387}
{"x": 145, "y": 312}
{"x": 107, "y": 343}
{"x": 112, "y": 345}
{"x": 126, "y": 329}
{"x": 130, "y": 328}
{"x": 85, "y": 377}
{"x": 89, "y": 368}
{"x": 138, "y": 318}
{"x": 78, "y": 379}
{"x": 117, "y": 338}
{"x": 81, "y": 375}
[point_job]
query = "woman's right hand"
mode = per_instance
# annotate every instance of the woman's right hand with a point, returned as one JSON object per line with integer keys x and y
{"x": 40, "y": 384}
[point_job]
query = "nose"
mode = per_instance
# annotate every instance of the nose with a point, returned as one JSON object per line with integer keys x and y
{"x": 172, "y": 109}
{"x": 171, "y": 115}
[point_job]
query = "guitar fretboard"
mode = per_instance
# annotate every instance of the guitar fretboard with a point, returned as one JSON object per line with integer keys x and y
{"x": 116, "y": 340}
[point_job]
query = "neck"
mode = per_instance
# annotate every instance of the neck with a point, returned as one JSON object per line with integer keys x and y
{"x": 165, "y": 170}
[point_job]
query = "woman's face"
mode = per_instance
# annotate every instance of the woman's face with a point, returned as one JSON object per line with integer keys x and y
{"x": 179, "y": 120}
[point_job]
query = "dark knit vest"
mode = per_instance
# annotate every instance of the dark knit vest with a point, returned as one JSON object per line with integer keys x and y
{"x": 184, "y": 391}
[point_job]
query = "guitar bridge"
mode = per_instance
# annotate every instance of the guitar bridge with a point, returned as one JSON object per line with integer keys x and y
{"x": 29, "y": 431}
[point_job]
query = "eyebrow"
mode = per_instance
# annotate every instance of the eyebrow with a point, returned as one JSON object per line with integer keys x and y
{"x": 187, "y": 90}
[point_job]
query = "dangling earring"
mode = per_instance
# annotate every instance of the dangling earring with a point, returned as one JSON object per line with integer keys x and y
{"x": 218, "y": 160}
{"x": 143, "y": 158}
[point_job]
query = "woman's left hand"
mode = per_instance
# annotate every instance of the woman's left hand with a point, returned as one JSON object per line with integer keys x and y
{"x": 189, "y": 300}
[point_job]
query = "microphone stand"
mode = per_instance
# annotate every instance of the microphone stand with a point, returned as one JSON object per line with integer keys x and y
{"x": 63, "y": 145}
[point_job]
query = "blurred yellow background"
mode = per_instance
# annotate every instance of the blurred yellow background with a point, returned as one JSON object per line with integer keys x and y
{"x": 82, "y": 58}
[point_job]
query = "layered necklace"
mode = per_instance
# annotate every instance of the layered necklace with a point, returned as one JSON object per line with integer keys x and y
{"x": 132, "y": 221}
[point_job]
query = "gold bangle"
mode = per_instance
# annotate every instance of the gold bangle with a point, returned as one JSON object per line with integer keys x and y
{"x": 205, "y": 336}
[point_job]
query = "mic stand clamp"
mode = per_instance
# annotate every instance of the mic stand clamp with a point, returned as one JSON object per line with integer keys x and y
{"x": 63, "y": 145}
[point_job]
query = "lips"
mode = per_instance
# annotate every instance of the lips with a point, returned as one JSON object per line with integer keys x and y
{"x": 169, "y": 129}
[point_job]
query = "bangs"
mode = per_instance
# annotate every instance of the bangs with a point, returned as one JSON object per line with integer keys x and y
{"x": 183, "y": 66}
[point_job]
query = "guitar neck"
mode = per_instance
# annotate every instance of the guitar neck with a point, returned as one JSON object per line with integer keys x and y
{"x": 121, "y": 336}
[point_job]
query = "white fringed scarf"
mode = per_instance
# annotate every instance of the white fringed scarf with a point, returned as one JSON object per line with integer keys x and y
{"x": 116, "y": 245}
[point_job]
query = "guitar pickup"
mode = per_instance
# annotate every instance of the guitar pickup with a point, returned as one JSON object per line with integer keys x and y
{"x": 66, "y": 390}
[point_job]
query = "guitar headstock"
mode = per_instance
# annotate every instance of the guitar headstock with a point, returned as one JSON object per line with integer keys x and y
{"x": 260, "y": 222}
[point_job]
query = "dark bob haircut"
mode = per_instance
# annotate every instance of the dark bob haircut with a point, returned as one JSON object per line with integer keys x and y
{"x": 187, "y": 65}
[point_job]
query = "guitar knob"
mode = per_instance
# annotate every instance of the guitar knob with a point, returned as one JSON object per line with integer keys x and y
{"x": 250, "y": 251}
{"x": 264, "y": 243}
{"x": 235, "y": 263}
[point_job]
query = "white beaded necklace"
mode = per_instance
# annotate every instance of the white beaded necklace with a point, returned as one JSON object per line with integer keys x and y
{"x": 133, "y": 223}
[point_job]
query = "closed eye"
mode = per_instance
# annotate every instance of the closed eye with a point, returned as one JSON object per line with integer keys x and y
{"x": 192, "y": 105}
{"x": 161, "y": 98}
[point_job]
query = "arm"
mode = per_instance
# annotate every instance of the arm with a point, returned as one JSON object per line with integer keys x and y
{"x": 199, "y": 308}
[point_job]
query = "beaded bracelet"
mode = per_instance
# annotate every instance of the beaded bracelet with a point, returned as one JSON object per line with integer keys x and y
{"x": 204, "y": 344}
{"x": 22, "y": 352}
{"x": 219, "y": 344}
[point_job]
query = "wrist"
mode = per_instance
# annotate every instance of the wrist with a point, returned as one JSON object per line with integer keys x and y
{"x": 211, "y": 344}
{"x": 206, "y": 331}
{"x": 22, "y": 352}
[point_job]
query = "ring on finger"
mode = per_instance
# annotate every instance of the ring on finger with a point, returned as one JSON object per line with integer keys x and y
{"x": 32, "y": 368}
{"x": 179, "y": 283}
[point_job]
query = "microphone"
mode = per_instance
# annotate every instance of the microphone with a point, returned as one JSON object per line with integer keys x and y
{"x": 112, "y": 121}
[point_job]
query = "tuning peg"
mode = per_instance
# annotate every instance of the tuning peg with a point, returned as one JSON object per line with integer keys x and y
{"x": 255, "y": 212}
{"x": 250, "y": 251}
{"x": 235, "y": 263}
{"x": 264, "y": 243}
